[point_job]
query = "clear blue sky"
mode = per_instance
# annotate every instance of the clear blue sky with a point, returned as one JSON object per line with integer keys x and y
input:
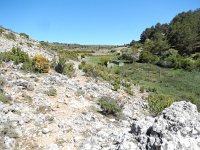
{"x": 89, "y": 21}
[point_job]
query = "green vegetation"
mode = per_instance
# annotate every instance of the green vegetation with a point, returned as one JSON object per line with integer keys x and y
{"x": 177, "y": 84}
{"x": 116, "y": 85}
{"x": 104, "y": 60}
{"x": 5, "y": 99}
{"x": 157, "y": 103}
{"x": 24, "y": 35}
{"x": 73, "y": 55}
{"x": 166, "y": 84}
{"x": 52, "y": 92}
{"x": 173, "y": 45}
{"x": 109, "y": 106}
{"x": 16, "y": 55}
{"x": 38, "y": 64}
{"x": 64, "y": 68}
{"x": 10, "y": 36}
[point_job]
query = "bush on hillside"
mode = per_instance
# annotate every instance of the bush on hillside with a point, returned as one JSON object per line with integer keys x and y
{"x": 109, "y": 106}
{"x": 116, "y": 85}
{"x": 5, "y": 99}
{"x": 104, "y": 60}
{"x": 157, "y": 103}
{"x": 148, "y": 57}
{"x": 59, "y": 67}
{"x": 24, "y": 35}
{"x": 69, "y": 69}
{"x": 41, "y": 64}
{"x": 65, "y": 68}
{"x": 16, "y": 55}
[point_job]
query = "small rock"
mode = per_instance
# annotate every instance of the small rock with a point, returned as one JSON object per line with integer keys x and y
{"x": 45, "y": 130}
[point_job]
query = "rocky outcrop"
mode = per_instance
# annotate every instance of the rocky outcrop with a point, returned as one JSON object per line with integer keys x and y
{"x": 178, "y": 127}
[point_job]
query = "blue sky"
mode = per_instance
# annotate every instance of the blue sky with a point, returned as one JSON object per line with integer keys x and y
{"x": 89, "y": 21}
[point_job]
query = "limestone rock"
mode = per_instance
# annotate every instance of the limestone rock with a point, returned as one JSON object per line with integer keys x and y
{"x": 175, "y": 128}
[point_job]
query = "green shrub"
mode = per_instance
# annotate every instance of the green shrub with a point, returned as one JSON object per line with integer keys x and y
{"x": 69, "y": 69}
{"x": 52, "y": 92}
{"x": 104, "y": 60}
{"x": 10, "y": 36}
{"x": 28, "y": 66}
{"x": 73, "y": 55}
{"x": 44, "y": 44}
{"x": 80, "y": 66}
{"x": 65, "y": 68}
{"x": 24, "y": 35}
{"x": 16, "y": 55}
{"x": 157, "y": 103}
{"x": 5, "y": 99}
{"x": 142, "y": 89}
{"x": 128, "y": 90}
{"x": 60, "y": 65}
{"x": 116, "y": 85}
{"x": 148, "y": 57}
{"x": 109, "y": 106}
{"x": 188, "y": 64}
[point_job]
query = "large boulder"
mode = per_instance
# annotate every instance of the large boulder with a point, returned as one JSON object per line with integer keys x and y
{"x": 177, "y": 127}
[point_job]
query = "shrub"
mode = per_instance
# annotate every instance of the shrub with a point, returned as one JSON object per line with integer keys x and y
{"x": 69, "y": 69}
{"x": 81, "y": 65}
{"x": 44, "y": 44}
{"x": 16, "y": 55}
{"x": 24, "y": 35}
{"x": 188, "y": 64}
{"x": 109, "y": 106}
{"x": 41, "y": 64}
{"x": 52, "y": 92}
{"x": 60, "y": 65}
{"x": 142, "y": 89}
{"x": 10, "y": 36}
{"x": 19, "y": 56}
{"x": 5, "y": 99}
{"x": 65, "y": 68}
{"x": 73, "y": 55}
{"x": 148, "y": 57}
{"x": 158, "y": 103}
{"x": 28, "y": 66}
{"x": 128, "y": 90}
{"x": 104, "y": 60}
{"x": 116, "y": 85}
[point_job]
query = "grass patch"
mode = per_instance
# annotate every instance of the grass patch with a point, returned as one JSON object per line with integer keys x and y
{"x": 177, "y": 84}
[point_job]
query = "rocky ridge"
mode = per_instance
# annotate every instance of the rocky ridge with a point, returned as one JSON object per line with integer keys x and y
{"x": 32, "y": 47}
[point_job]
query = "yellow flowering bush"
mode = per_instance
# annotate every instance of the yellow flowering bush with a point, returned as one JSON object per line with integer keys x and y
{"x": 41, "y": 64}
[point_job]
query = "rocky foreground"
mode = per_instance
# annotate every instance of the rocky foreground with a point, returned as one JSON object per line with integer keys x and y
{"x": 34, "y": 119}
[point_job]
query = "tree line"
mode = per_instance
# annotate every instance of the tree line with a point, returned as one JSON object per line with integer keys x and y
{"x": 175, "y": 45}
